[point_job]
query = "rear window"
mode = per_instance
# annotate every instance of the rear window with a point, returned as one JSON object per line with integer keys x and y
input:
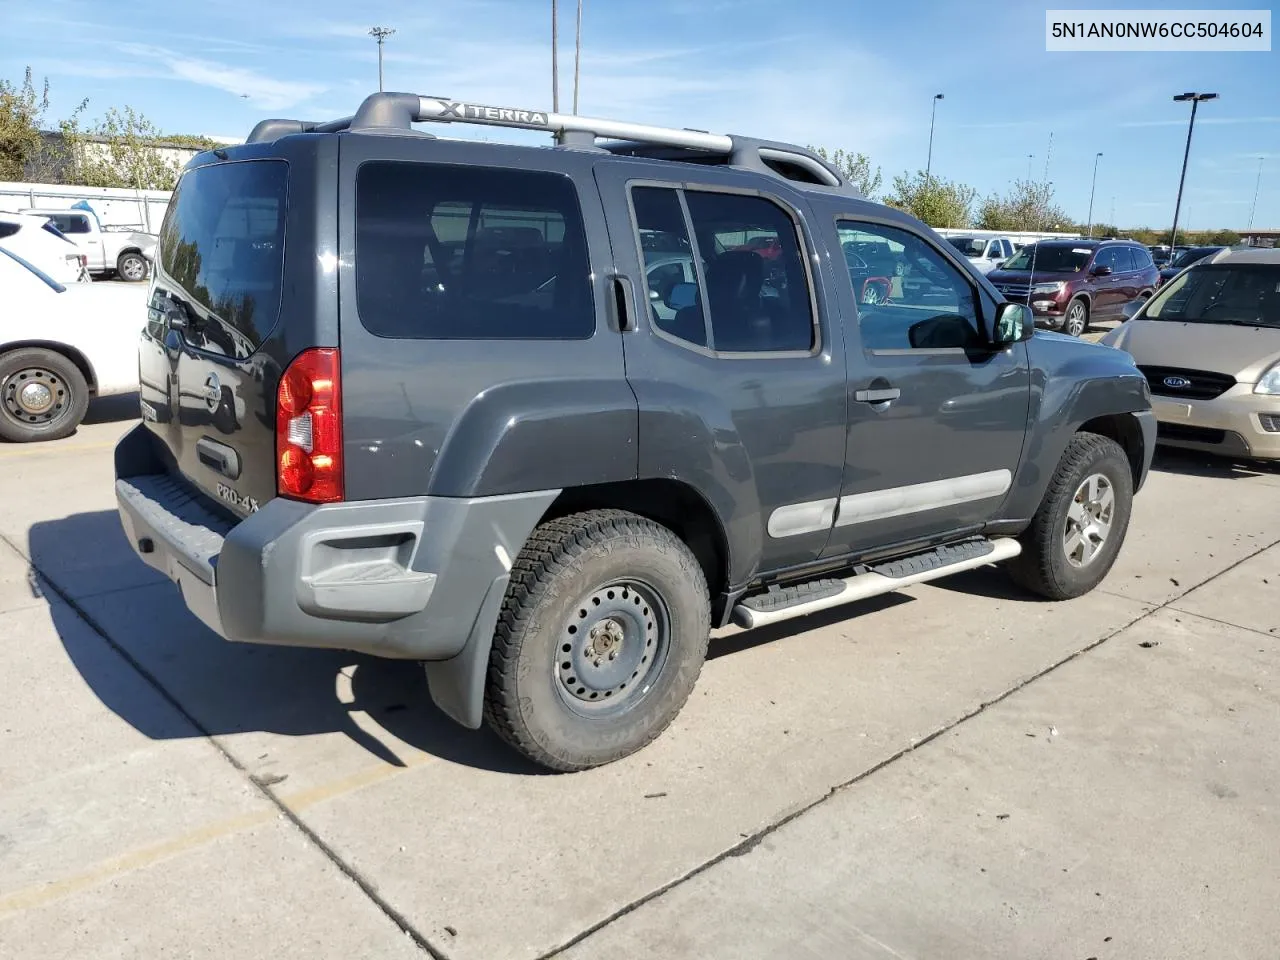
{"x": 222, "y": 245}
{"x": 470, "y": 253}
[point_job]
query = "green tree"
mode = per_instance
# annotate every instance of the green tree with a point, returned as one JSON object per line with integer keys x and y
{"x": 123, "y": 149}
{"x": 937, "y": 201}
{"x": 22, "y": 110}
{"x": 855, "y": 168}
{"x": 1028, "y": 206}
{"x": 1226, "y": 238}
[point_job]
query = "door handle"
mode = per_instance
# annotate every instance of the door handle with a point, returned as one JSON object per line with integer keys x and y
{"x": 877, "y": 396}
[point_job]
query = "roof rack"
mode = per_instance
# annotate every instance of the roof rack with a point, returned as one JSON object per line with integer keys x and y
{"x": 399, "y": 111}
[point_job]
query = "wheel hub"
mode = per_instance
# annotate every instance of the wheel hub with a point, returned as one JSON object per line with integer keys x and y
{"x": 609, "y": 647}
{"x": 32, "y": 395}
{"x": 35, "y": 398}
{"x": 1089, "y": 520}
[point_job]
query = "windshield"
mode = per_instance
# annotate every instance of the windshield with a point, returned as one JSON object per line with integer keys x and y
{"x": 1055, "y": 258}
{"x": 968, "y": 246}
{"x": 1188, "y": 257}
{"x": 1240, "y": 294}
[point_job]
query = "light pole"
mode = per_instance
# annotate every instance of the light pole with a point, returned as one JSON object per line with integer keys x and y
{"x": 555, "y": 62}
{"x": 380, "y": 34}
{"x": 1196, "y": 99}
{"x": 1257, "y": 183}
{"x": 1096, "y": 158}
{"x": 577, "y": 58}
{"x": 1030, "y": 157}
{"x": 933, "y": 115}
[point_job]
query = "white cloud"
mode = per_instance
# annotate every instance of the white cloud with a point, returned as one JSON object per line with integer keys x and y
{"x": 262, "y": 91}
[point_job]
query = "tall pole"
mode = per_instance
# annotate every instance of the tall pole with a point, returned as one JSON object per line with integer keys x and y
{"x": 933, "y": 115}
{"x": 577, "y": 58}
{"x": 555, "y": 63}
{"x": 1257, "y": 183}
{"x": 1096, "y": 158}
{"x": 1048, "y": 155}
{"x": 1030, "y": 157}
{"x": 380, "y": 34}
{"x": 1195, "y": 99}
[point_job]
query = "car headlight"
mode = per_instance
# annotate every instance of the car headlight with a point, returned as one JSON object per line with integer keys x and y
{"x": 1048, "y": 287}
{"x": 1269, "y": 382}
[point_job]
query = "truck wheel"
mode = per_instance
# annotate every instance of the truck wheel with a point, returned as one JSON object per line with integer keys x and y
{"x": 43, "y": 396}
{"x": 601, "y": 638}
{"x": 1076, "y": 534}
{"x": 132, "y": 266}
{"x": 1076, "y": 321}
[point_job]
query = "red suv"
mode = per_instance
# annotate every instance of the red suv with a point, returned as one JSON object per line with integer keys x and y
{"x": 1072, "y": 283}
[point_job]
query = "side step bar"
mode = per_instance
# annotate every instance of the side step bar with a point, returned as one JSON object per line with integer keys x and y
{"x": 797, "y": 601}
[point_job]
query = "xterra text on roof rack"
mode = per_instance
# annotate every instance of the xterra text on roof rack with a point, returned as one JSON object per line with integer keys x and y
{"x": 543, "y": 417}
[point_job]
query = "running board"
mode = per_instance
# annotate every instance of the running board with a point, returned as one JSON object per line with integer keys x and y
{"x": 818, "y": 595}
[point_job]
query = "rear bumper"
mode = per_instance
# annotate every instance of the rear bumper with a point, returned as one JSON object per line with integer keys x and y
{"x": 407, "y": 578}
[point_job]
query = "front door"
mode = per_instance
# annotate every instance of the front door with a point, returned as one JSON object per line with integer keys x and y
{"x": 739, "y": 375}
{"x": 1110, "y": 291}
{"x": 936, "y": 417}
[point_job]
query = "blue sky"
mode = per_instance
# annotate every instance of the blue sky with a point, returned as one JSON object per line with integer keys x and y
{"x": 832, "y": 72}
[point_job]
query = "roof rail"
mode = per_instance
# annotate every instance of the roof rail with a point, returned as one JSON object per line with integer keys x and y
{"x": 391, "y": 111}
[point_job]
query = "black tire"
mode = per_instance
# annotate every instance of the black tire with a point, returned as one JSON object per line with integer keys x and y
{"x": 63, "y": 383}
{"x": 1072, "y": 326}
{"x": 131, "y": 266}
{"x": 643, "y": 575}
{"x": 1044, "y": 567}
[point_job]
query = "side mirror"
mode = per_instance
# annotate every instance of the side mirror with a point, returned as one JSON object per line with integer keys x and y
{"x": 1101, "y": 271}
{"x": 1014, "y": 323}
{"x": 682, "y": 295}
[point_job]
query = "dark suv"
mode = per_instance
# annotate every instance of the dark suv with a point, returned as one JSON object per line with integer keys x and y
{"x": 414, "y": 397}
{"x": 1072, "y": 283}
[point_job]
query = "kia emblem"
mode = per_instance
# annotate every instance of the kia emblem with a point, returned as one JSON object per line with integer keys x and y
{"x": 1177, "y": 383}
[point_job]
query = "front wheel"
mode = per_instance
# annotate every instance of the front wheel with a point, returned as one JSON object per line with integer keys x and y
{"x": 132, "y": 266}
{"x": 43, "y": 395}
{"x": 1076, "y": 321}
{"x": 1078, "y": 530}
{"x": 601, "y": 638}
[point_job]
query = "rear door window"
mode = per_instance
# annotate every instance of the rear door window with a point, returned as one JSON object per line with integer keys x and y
{"x": 221, "y": 247}
{"x": 470, "y": 253}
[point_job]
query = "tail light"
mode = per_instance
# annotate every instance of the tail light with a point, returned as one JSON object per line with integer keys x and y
{"x": 309, "y": 428}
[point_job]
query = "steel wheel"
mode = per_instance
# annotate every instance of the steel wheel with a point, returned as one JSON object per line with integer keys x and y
{"x": 614, "y": 642}
{"x": 1077, "y": 320}
{"x": 35, "y": 397}
{"x": 1089, "y": 520}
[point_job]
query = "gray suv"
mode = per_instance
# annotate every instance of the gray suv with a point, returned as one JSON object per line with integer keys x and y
{"x": 416, "y": 397}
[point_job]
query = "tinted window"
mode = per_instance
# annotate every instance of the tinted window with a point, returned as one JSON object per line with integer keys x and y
{"x": 1051, "y": 258}
{"x": 470, "y": 253}
{"x": 757, "y": 290}
{"x": 674, "y": 307}
{"x": 908, "y": 296}
{"x": 1111, "y": 257}
{"x": 8, "y": 230}
{"x": 1141, "y": 258}
{"x": 222, "y": 244}
{"x": 967, "y": 245}
{"x": 76, "y": 224}
{"x": 1244, "y": 294}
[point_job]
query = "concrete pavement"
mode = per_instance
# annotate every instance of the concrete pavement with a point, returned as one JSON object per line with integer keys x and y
{"x": 161, "y": 790}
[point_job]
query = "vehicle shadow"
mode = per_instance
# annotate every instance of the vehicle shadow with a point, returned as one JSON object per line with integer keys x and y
{"x": 1195, "y": 464}
{"x": 228, "y": 688}
{"x": 113, "y": 409}
{"x": 735, "y": 640}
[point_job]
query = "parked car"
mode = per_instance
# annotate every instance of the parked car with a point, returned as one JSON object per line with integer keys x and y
{"x": 1073, "y": 283}
{"x": 1185, "y": 259}
{"x": 125, "y": 253}
{"x": 1208, "y": 343}
{"x": 985, "y": 253}
{"x": 38, "y": 241}
{"x": 482, "y": 449}
{"x": 60, "y": 347}
{"x": 1160, "y": 255}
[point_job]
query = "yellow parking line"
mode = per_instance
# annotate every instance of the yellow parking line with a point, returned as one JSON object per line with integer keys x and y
{"x": 48, "y": 450}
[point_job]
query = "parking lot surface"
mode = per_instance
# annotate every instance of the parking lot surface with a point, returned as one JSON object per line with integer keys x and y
{"x": 955, "y": 771}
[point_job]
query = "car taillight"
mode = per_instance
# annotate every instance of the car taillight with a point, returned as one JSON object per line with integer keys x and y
{"x": 309, "y": 428}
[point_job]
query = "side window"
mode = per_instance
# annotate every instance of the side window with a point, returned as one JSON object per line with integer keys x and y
{"x": 674, "y": 304}
{"x": 908, "y": 296}
{"x": 756, "y": 294}
{"x": 1141, "y": 257}
{"x": 1110, "y": 257}
{"x": 80, "y": 224}
{"x": 757, "y": 290}
{"x": 470, "y": 253}
{"x": 993, "y": 250}
{"x": 8, "y": 230}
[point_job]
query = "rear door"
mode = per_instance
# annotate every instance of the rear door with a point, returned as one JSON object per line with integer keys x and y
{"x": 739, "y": 375}
{"x": 207, "y": 371}
{"x": 1109, "y": 291}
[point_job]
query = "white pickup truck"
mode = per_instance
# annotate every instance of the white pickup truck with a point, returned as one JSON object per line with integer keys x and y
{"x": 124, "y": 253}
{"x": 985, "y": 253}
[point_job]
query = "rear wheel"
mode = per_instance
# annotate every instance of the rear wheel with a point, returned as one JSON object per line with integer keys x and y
{"x": 132, "y": 266}
{"x": 1076, "y": 320}
{"x": 1078, "y": 530}
{"x": 43, "y": 395}
{"x": 601, "y": 638}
